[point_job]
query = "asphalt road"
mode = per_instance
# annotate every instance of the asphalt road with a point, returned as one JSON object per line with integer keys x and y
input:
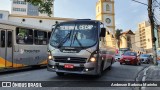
{"x": 117, "y": 73}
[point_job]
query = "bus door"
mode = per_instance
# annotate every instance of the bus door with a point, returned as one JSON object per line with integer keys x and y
{"x": 6, "y": 52}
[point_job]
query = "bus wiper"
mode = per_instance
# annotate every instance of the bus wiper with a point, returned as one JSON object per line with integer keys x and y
{"x": 75, "y": 37}
{"x": 64, "y": 40}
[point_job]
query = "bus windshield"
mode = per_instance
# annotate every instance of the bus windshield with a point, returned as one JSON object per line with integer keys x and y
{"x": 73, "y": 34}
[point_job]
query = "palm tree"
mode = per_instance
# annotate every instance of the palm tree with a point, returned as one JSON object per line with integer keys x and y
{"x": 117, "y": 36}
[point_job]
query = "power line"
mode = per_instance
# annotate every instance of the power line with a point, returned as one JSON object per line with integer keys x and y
{"x": 140, "y": 2}
{"x": 157, "y": 2}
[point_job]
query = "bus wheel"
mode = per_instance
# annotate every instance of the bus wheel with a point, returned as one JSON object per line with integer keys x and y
{"x": 109, "y": 68}
{"x": 100, "y": 72}
{"x": 101, "y": 69}
{"x": 36, "y": 66}
{"x": 60, "y": 73}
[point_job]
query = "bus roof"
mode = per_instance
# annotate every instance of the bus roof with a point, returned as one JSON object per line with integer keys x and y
{"x": 22, "y": 25}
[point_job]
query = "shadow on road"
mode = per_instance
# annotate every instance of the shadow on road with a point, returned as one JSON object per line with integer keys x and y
{"x": 79, "y": 77}
{"x": 11, "y": 71}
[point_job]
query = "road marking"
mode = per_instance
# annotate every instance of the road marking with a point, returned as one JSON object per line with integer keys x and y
{"x": 144, "y": 76}
{"x": 15, "y": 75}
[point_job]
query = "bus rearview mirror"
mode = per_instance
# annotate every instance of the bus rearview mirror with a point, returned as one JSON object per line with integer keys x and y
{"x": 53, "y": 27}
{"x": 103, "y": 32}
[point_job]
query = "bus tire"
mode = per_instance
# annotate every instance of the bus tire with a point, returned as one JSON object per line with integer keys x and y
{"x": 60, "y": 73}
{"x": 101, "y": 71}
{"x": 109, "y": 68}
{"x": 36, "y": 66}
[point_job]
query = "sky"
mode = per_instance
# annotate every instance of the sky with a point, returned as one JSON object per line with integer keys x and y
{"x": 127, "y": 12}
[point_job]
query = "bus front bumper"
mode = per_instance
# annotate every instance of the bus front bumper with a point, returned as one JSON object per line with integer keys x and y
{"x": 85, "y": 68}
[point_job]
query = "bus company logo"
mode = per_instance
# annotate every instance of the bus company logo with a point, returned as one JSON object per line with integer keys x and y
{"x": 21, "y": 51}
{"x": 69, "y": 48}
{"x": 6, "y": 84}
{"x": 68, "y": 59}
{"x": 71, "y": 51}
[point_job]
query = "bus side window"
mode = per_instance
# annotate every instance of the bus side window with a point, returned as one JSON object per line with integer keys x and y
{"x": 40, "y": 37}
{"x": 2, "y": 38}
{"x": 9, "y": 39}
{"x": 24, "y": 36}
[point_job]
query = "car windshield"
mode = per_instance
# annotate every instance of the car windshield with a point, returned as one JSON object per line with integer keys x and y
{"x": 117, "y": 55}
{"x": 144, "y": 55}
{"x": 130, "y": 54}
{"x": 74, "y": 34}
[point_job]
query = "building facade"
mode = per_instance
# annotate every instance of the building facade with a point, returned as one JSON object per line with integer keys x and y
{"x": 4, "y": 15}
{"x": 145, "y": 35}
{"x": 106, "y": 14}
{"x": 39, "y": 21}
{"x": 127, "y": 39}
{"x": 137, "y": 39}
{"x": 21, "y": 7}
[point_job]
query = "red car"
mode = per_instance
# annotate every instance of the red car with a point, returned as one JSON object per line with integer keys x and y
{"x": 130, "y": 58}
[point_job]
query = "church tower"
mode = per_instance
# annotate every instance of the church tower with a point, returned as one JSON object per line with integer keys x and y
{"x": 106, "y": 14}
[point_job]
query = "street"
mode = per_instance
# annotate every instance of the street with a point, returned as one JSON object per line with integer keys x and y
{"x": 117, "y": 73}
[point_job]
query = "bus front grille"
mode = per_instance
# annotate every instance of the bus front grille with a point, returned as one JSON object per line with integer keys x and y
{"x": 70, "y": 59}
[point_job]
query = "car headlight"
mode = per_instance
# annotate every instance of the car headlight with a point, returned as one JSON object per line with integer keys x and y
{"x": 50, "y": 57}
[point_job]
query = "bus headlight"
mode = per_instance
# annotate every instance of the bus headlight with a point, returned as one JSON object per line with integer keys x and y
{"x": 50, "y": 57}
{"x": 92, "y": 59}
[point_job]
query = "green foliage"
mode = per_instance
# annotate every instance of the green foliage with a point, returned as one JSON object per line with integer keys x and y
{"x": 118, "y": 33}
{"x": 117, "y": 36}
{"x": 44, "y": 5}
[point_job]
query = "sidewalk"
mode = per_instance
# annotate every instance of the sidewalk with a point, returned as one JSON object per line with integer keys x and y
{"x": 153, "y": 73}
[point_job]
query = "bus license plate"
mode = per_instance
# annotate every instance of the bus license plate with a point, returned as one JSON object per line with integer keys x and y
{"x": 68, "y": 66}
{"x": 127, "y": 60}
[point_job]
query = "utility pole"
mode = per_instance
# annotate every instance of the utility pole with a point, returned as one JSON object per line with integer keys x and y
{"x": 150, "y": 14}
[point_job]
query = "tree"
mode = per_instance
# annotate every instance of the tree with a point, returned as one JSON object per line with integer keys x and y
{"x": 117, "y": 36}
{"x": 44, "y": 5}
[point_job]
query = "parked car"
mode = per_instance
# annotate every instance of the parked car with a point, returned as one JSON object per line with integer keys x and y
{"x": 145, "y": 58}
{"x": 117, "y": 57}
{"x": 130, "y": 58}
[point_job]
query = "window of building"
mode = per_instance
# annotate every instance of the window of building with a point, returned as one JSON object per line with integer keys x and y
{"x": 1, "y": 16}
{"x": 19, "y": 2}
{"x": 19, "y": 9}
{"x": 24, "y": 36}
{"x": 107, "y": 7}
{"x": 40, "y": 37}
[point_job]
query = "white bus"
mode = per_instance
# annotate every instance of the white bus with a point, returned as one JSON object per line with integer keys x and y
{"x": 79, "y": 47}
{"x": 22, "y": 45}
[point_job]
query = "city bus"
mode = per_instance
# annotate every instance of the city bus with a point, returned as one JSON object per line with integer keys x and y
{"x": 22, "y": 45}
{"x": 79, "y": 47}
